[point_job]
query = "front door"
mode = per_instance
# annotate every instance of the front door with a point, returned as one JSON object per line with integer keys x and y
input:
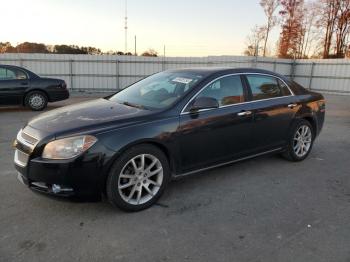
{"x": 213, "y": 136}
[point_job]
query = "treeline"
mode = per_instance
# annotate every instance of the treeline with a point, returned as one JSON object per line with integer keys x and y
{"x": 27, "y": 47}
{"x": 314, "y": 29}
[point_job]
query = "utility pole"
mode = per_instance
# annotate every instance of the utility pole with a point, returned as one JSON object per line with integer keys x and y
{"x": 126, "y": 26}
{"x": 135, "y": 46}
{"x": 164, "y": 51}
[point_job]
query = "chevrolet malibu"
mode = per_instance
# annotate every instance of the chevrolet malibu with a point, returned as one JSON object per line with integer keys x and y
{"x": 129, "y": 145}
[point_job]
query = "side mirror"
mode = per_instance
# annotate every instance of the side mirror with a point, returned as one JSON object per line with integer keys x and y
{"x": 204, "y": 103}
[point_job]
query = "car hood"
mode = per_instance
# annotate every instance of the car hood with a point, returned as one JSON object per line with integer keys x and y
{"x": 81, "y": 117}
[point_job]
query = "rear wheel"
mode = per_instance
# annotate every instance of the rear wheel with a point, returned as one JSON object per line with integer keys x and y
{"x": 36, "y": 100}
{"x": 300, "y": 142}
{"x": 138, "y": 178}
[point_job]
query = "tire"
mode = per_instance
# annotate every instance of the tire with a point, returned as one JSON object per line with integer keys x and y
{"x": 128, "y": 176}
{"x": 298, "y": 150}
{"x": 36, "y": 100}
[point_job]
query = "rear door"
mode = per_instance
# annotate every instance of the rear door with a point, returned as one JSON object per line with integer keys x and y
{"x": 274, "y": 107}
{"x": 13, "y": 83}
{"x": 213, "y": 136}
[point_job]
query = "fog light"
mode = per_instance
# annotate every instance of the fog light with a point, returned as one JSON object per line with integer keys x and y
{"x": 56, "y": 188}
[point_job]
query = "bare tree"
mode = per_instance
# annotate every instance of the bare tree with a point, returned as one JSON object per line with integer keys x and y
{"x": 342, "y": 28}
{"x": 334, "y": 20}
{"x": 270, "y": 7}
{"x": 256, "y": 36}
{"x": 310, "y": 32}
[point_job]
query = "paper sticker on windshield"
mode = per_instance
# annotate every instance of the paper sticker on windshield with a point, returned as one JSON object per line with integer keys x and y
{"x": 182, "y": 80}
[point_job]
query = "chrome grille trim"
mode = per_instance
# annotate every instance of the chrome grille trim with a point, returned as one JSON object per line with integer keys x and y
{"x": 25, "y": 142}
{"x": 29, "y": 138}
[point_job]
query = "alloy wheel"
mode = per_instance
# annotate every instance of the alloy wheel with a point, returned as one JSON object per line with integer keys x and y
{"x": 140, "y": 179}
{"x": 302, "y": 141}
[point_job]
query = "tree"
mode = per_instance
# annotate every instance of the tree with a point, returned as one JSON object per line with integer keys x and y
{"x": 68, "y": 49}
{"x": 6, "y": 47}
{"x": 334, "y": 20}
{"x": 328, "y": 21}
{"x": 269, "y": 7}
{"x": 256, "y": 36}
{"x": 342, "y": 28}
{"x": 28, "y": 47}
{"x": 292, "y": 29}
{"x": 150, "y": 52}
{"x": 91, "y": 50}
{"x": 311, "y": 33}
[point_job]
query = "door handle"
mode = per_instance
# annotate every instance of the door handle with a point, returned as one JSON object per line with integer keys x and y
{"x": 24, "y": 83}
{"x": 292, "y": 105}
{"x": 245, "y": 113}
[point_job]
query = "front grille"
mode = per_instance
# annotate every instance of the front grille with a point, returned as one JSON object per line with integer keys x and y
{"x": 24, "y": 145}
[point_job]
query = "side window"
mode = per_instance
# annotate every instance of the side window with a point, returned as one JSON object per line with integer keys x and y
{"x": 6, "y": 74}
{"x": 227, "y": 90}
{"x": 11, "y": 74}
{"x": 264, "y": 87}
{"x": 284, "y": 88}
{"x": 2, "y": 73}
{"x": 20, "y": 74}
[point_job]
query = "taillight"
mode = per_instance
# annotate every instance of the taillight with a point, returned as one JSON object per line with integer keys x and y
{"x": 64, "y": 85}
{"x": 322, "y": 106}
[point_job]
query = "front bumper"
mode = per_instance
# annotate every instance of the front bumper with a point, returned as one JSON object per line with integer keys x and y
{"x": 83, "y": 176}
{"x": 64, "y": 178}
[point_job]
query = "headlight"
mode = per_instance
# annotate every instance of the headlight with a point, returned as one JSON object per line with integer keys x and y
{"x": 68, "y": 147}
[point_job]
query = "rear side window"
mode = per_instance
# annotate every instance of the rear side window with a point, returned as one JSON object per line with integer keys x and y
{"x": 284, "y": 88}
{"x": 265, "y": 87}
{"x": 11, "y": 74}
{"x": 227, "y": 90}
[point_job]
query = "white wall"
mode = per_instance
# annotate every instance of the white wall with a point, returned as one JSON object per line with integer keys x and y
{"x": 108, "y": 72}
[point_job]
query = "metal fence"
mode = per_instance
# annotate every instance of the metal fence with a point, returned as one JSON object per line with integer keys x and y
{"x": 109, "y": 72}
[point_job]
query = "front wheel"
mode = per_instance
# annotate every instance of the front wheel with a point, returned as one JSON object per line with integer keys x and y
{"x": 138, "y": 178}
{"x": 300, "y": 142}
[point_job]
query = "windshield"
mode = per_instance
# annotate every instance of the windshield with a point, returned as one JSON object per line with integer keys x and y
{"x": 157, "y": 91}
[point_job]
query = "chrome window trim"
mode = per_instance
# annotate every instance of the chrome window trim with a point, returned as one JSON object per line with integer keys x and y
{"x": 183, "y": 112}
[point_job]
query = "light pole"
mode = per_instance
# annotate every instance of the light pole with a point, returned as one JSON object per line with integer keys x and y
{"x": 126, "y": 26}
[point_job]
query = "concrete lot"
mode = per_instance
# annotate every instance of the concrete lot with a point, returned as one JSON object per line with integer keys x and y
{"x": 265, "y": 209}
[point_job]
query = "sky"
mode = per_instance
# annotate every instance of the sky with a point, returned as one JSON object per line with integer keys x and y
{"x": 184, "y": 27}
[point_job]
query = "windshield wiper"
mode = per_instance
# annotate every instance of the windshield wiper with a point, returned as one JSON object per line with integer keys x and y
{"x": 133, "y": 105}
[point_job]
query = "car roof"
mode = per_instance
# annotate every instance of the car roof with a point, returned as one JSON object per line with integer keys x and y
{"x": 207, "y": 71}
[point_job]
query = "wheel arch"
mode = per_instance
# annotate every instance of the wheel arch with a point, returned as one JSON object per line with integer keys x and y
{"x": 313, "y": 123}
{"x": 167, "y": 152}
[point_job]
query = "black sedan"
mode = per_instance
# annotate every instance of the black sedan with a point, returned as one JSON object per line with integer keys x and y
{"x": 19, "y": 86}
{"x": 129, "y": 145}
